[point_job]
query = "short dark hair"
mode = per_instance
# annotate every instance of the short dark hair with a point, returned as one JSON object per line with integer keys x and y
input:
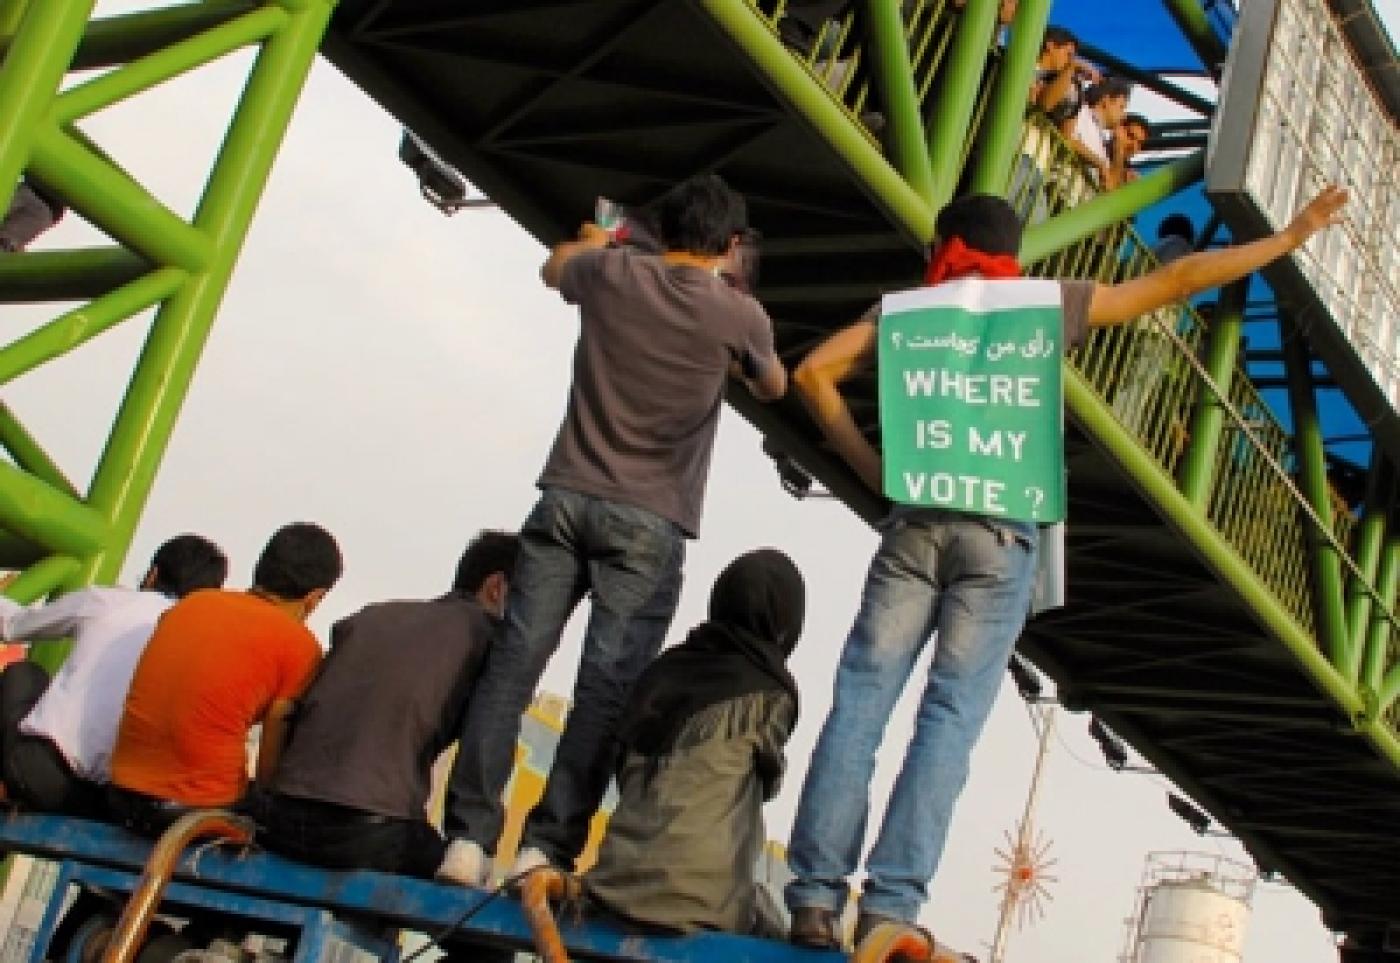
{"x": 1108, "y": 87}
{"x": 1059, "y": 36}
{"x": 488, "y": 553}
{"x": 187, "y": 563}
{"x": 1137, "y": 120}
{"x": 1177, "y": 225}
{"x": 985, "y": 222}
{"x": 701, "y": 215}
{"x": 299, "y": 559}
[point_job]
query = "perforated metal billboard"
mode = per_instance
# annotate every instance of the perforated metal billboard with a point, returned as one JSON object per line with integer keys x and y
{"x": 1297, "y": 112}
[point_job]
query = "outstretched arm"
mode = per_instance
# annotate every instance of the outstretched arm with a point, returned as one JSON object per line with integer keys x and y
{"x": 590, "y": 238}
{"x": 1187, "y": 276}
{"x": 817, "y": 379}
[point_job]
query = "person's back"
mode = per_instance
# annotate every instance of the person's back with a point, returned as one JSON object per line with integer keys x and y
{"x": 351, "y": 789}
{"x": 393, "y": 668}
{"x": 59, "y": 733}
{"x": 214, "y": 664}
{"x": 702, "y": 750}
{"x": 219, "y": 663}
{"x": 657, "y": 338}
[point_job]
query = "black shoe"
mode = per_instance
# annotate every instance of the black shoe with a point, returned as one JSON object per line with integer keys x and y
{"x": 814, "y": 928}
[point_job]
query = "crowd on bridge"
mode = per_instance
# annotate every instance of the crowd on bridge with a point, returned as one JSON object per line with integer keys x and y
{"x": 150, "y": 715}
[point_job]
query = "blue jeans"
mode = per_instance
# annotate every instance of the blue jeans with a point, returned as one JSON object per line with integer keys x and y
{"x": 969, "y": 580}
{"x": 572, "y": 544}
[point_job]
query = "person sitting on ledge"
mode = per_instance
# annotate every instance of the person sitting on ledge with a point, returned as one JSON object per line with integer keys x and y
{"x": 218, "y": 664}
{"x": 56, "y": 737}
{"x": 702, "y": 750}
{"x": 354, "y": 795}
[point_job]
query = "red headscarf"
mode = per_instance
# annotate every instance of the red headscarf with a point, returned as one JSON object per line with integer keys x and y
{"x": 953, "y": 259}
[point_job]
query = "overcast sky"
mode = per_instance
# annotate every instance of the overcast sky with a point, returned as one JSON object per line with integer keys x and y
{"x": 398, "y": 377}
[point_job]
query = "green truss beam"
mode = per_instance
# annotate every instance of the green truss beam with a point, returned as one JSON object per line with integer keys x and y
{"x": 1197, "y": 472}
{"x": 179, "y": 267}
{"x": 1312, "y": 464}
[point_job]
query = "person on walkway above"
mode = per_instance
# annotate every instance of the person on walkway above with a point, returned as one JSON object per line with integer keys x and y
{"x": 622, "y": 490}
{"x": 702, "y": 750}
{"x": 1105, "y": 106}
{"x": 1060, "y": 78}
{"x": 56, "y": 737}
{"x": 965, "y": 577}
{"x": 218, "y": 664}
{"x": 351, "y": 789}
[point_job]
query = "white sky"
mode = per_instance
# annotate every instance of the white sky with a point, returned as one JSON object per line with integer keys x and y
{"x": 398, "y": 376}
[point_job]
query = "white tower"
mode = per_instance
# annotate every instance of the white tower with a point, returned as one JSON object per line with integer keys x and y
{"x": 1191, "y": 908}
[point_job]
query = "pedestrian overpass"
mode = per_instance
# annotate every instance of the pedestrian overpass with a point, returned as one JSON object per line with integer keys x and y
{"x": 1229, "y": 614}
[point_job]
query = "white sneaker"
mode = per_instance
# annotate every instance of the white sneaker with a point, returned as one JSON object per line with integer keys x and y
{"x": 528, "y": 859}
{"x": 464, "y": 863}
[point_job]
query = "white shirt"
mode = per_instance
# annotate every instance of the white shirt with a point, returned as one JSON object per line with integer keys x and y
{"x": 82, "y": 707}
{"x": 1089, "y": 133}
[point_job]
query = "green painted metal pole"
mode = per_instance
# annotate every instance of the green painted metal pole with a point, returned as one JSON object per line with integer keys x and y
{"x": 957, "y": 97}
{"x": 46, "y": 516}
{"x": 30, "y": 75}
{"x": 145, "y": 73}
{"x": 158, "y": 387}
{"x": 117, "y": 204}
{"x": 37, "y": 276}
{"x": 1373, "y": 664}
{"x": 1100, "y": 423}
{"x": 1312, "y": 471}
{"x": 29, "y": 454}
{"x": 1005, "y": 123}
{"x": 41, "y": 578}
{"x": 893, "y": 74}
{"x": 810, "y": 99}
{"x": 121, "y": 39}
{"x": 1145, "y": 78}
{"x": 1370, "y": 537}
{"x": 1059, "y": 232}
{"x": 1196, "y": 474}
{"x": 11, "y": 12}
{"x": 1190, "y": 16}
{"x": 81, "y": 325}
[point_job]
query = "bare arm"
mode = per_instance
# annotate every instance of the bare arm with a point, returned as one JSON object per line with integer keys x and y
{"x": 1187, "y": 276}
{"x": 1048, "y": 94}
{"x": 846, "y": 353}
{"x": 590, "y": 238}
{"x": 275, "y": 727}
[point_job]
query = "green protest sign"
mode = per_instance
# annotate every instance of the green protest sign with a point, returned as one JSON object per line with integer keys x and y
{"x": 971, "y": 398}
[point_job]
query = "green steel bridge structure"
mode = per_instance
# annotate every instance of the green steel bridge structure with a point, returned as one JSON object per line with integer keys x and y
{"x": 1226, "y": 615}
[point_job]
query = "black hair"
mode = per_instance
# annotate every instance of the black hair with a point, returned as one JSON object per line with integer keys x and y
{"x": 1059, "y": 36}
{"x": 1108, "y": 87}
{"x": 299, "y": 559}
{"x": 701, "y": 215}
{"x": 1137, "y": 120}
{"x": 187, "y": 563}
{"x": 488, "y": 553}
{"x": 985, "y": 223}
{"x": 1177, "y": 225}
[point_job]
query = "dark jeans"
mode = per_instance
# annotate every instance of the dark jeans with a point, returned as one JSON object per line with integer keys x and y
{"x": 338, "y": 837}
{"x": 572, "y": 544}
{"x": 35, "y": 773}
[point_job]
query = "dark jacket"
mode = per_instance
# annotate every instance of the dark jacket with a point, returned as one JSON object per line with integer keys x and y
{"x": 687, "y": 833}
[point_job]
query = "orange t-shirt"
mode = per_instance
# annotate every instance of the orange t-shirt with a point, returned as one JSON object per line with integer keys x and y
{"x": 214, "y": 665}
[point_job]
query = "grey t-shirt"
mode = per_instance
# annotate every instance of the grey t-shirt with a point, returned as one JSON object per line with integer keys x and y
{"x": 655, "y": 344}
{"x": 388, "y": 698}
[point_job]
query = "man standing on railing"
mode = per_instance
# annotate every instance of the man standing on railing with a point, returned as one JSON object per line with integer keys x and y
{"x": 965, "y": 574}
{"x": 660, "y": 336}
